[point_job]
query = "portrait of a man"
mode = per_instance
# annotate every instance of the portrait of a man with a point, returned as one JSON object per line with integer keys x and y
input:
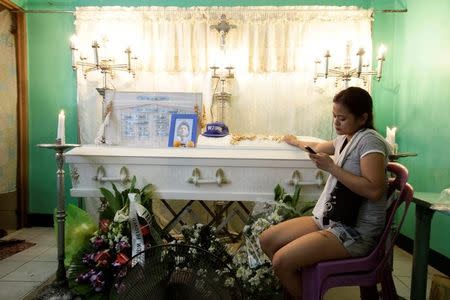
{"x": 183, "y": 132}
{"x": 183, "y": 129}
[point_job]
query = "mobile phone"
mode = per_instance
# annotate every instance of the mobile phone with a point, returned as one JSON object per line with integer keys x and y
{"x": 310, "y": 150}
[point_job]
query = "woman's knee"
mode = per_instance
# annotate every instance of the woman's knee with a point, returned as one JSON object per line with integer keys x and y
{"x": 265, "y": 242}
{"x": 281, "y": 264}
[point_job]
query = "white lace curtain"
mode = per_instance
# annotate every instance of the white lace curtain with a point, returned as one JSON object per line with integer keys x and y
{"x": 273, "y": 50}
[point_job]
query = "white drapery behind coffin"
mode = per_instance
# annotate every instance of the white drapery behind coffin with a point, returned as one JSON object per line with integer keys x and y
{"x": 273, "y": 50}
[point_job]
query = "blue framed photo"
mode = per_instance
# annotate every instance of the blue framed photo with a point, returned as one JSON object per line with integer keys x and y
{"x": 183, "y": 130}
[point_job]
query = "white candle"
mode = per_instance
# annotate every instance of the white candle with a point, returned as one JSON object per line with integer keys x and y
{"x": 316, "y": 68}
{"x": 73, "y": 47}
{"x": 128, "y": 52}
{"x": 95, "y": 46}
{"x": 327, "y": 60}
{"x": 360, "y": 61}
{"x": 381, "y": 58}
{"x": 379, "y": 68}
{"x": 73, "y": 42}
{"x": 61, "y": 134}
{"x": 74, "y": 62}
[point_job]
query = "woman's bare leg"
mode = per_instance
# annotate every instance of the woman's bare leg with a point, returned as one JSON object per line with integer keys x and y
{"x": 306, "y": 250}
{"x": 283, "y": 233}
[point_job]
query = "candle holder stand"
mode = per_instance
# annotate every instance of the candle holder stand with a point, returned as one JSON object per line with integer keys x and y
{"x": 59, "y": 289}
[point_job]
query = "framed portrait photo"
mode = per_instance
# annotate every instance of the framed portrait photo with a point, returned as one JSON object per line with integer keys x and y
{"x": 183, "y": 130}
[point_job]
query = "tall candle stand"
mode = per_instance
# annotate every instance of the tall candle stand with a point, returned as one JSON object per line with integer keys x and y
{"x": 60, "y": 287}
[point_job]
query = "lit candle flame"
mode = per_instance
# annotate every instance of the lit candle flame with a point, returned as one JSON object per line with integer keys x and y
{"x": 381, "y": 51}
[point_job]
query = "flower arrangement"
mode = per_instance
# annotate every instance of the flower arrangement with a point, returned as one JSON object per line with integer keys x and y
{"x": 202, "y": 239}
{"x": 196, "y": 266}
{"x": 96, "y": 264}
{"x": 253, "y": 267}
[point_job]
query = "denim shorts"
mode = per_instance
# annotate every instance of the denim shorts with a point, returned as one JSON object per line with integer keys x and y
{"x": 349, "y": 237}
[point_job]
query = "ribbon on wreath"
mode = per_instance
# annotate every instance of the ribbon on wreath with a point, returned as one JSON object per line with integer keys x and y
{"x": 131, "y": 214}
{"x": 137, "y": 240}
{"x": 252, "y": 252}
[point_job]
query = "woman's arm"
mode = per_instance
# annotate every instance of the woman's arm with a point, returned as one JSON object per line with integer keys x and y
{"x": 372, "y": 182}
{"x": 320, "y": 147}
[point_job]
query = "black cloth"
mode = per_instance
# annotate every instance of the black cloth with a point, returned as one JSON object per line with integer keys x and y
{"x": 344, "y": 204}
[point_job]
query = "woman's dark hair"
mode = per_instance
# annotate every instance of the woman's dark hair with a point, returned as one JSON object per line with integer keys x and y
{"x": 358, "y": 101}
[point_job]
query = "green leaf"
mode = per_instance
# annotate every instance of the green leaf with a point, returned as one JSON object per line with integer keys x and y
{"x": 81, "y": 289}
{"x": 296, "y": 195}
{"x": 133, "y": 183}
{"x": 279, "y": 191}
{"x": 146, "y": 196}
{"x": 288, "y": 199}
{"x": 118, "y": 196}
{"x": 114, "y": 203}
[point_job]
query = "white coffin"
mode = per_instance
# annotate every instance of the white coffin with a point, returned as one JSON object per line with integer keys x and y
{"x": 247, "y": 174}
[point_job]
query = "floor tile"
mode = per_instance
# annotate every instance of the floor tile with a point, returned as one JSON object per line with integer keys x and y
{"x": 32, "y": 271}
{"x": 28, "y": 254}
{"x": 7, "y": 267}
{"x": 342, "y": 293}
{"x": 16, "y": 290}
{"x": 402, "y": 288}
{"x": 51, "y": 254}
{"x": 402, "y": 267}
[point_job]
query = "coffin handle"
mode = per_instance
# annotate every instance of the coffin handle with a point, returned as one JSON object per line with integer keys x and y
{"x": 102, "y": 178}
{"x": 197, "y": 180}
{"x": 296, "y": 179}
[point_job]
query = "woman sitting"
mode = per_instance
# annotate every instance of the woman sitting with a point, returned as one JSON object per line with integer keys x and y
{"x": 350, "y": 213}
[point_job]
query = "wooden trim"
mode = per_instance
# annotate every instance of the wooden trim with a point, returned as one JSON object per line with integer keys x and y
{"x": 22, "y": 111}
{"x": 10, "y": 5}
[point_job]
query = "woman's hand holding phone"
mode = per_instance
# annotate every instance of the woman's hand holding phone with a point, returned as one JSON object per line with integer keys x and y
{"x": 310, "y": 150}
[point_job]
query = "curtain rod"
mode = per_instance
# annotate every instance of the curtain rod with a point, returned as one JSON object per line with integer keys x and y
{"x": 50, "y": 11}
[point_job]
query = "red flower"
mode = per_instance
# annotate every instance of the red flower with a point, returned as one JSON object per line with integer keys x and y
{"x": 104, "y": 225}
{"x": 102, "y": 258}
{"x": 121, "y": 259}
{"x": 145, "y": 230}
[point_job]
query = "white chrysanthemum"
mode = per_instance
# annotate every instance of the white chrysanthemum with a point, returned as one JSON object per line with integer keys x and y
{"x": 229, "y": 282}
{"x": 179, "y": 259}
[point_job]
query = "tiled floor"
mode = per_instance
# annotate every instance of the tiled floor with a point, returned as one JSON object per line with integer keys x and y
{"x": 23, "y": 272}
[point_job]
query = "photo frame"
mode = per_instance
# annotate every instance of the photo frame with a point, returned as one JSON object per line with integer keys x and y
{"x": 183, "y": 130}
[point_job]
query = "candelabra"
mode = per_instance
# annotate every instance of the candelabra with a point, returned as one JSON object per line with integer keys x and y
{"x": 347, "y": 71}
{"x": 221, "y": 98}
{"x": 106, "y": 66}
{"x": 59, "y": 289}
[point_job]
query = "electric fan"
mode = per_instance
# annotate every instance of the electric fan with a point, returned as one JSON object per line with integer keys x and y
{"x": 176, "y": 272}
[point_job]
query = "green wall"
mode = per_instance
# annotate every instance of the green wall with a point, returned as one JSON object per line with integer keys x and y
{"x": 52, "y": 87}
{"x": 414, "y": 95}
{"x": 20, "y": 3}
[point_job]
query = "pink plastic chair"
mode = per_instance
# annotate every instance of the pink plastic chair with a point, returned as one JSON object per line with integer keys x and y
{"x": 367, "y": 271}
